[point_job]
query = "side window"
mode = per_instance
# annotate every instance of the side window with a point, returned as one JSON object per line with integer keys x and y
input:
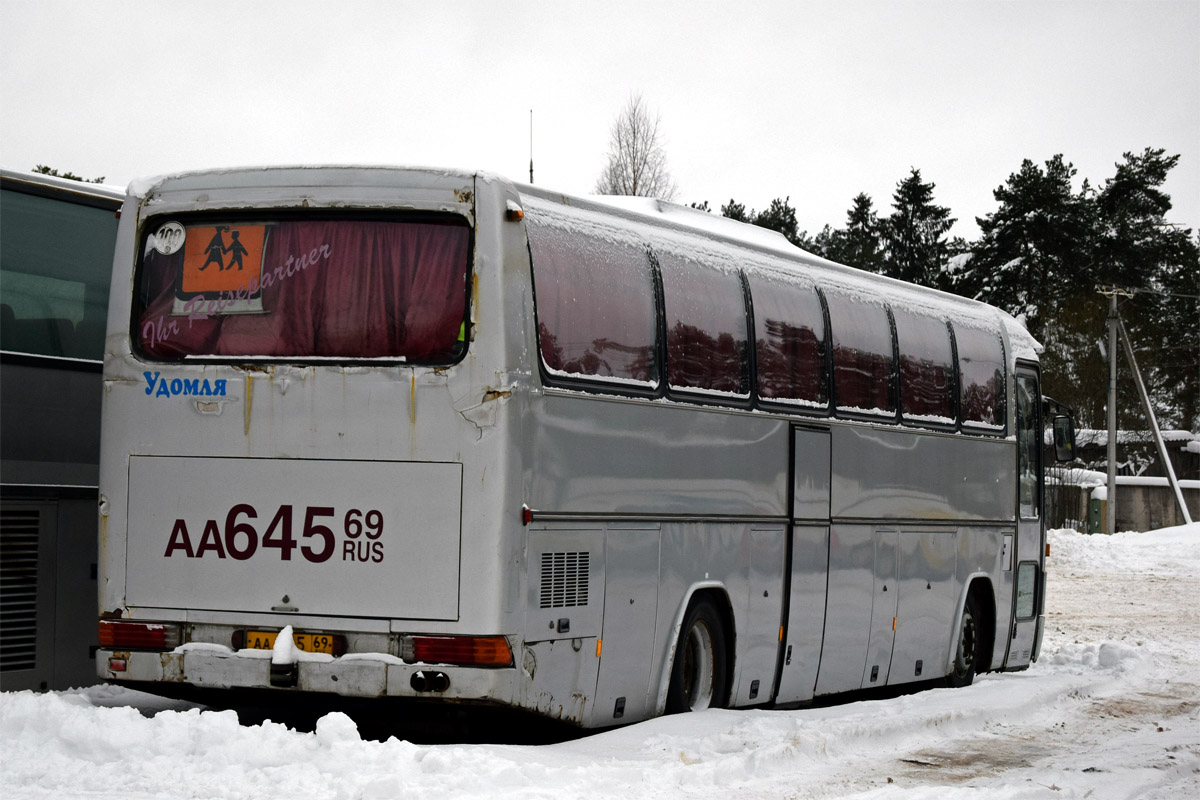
{"x": 707, "y": 342}
{"x": 981, "y": 379}
{"x": 926, "y": 369}
{"x": 595, "y": 307}
{"x": 790, "y": 344}
{"x": 862, "y": 356}
{"x": 56, "y": 260}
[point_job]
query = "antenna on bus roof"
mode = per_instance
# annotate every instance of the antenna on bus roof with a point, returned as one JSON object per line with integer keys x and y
{"x": 531, "y": 145}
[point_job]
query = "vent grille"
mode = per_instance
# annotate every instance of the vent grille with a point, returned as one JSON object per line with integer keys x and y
{"x": 19, "y": 529}
{"x": 564, "y": 580}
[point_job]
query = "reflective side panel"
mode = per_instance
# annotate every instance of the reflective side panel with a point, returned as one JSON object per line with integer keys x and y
{"x": 810, "y": 474}
{"x": 848, "y": 608}
{"x": 630, "y": 605}
{"x": 883, "y": 609}
{"x": 806, "y": 613}
{"x": 598, "y": 455}
{"x": 809, "y": 565}
{"x": 988, "y": 552}
{"x": 908, "y": 475}
{"x": 758, "y": 633}
{"x": 928, "y": 596}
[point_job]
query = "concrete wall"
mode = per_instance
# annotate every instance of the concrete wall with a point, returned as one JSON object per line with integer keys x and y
{"x": 1139, "y": 507}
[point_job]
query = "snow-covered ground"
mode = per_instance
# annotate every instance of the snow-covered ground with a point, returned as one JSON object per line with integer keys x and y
{"x": 1112, "y": 710}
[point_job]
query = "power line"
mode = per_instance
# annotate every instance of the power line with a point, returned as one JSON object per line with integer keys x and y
{"x": 1128, "y": 292}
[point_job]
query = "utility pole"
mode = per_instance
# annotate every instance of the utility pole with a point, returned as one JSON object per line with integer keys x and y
{"x": 1117, "y": 327}
{"x": 1110, "y": 517}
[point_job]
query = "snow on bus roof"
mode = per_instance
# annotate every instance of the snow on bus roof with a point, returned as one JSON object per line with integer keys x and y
{"x": 674, "y": 226}
{"x": 146, "y": 185}
{"x": 636, "y": 221}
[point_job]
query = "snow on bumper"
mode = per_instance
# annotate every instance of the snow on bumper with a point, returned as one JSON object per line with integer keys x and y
{"x": 353, "y": 675}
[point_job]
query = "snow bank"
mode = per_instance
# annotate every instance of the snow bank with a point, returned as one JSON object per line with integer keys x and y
{"x": 1168, "y": 551}
{"x": 1111, "y": 710}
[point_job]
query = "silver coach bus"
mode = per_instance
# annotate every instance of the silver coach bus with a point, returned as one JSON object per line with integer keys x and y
{"x": 430, "y": 434}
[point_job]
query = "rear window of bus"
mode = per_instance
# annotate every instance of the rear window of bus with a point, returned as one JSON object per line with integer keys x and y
{"x": 311, "y": 288}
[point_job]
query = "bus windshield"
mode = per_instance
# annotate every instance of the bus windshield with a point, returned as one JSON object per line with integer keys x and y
{"x": 304, "y": 289}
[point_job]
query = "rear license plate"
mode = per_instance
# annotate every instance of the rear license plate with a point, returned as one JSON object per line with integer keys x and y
{"x": 308, "y": 642}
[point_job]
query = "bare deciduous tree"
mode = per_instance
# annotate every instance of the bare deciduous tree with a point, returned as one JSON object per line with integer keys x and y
{"x": 637, "y": 163}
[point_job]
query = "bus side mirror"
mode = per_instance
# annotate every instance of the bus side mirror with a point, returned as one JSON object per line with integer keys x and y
{"x": 1064, "y": 439}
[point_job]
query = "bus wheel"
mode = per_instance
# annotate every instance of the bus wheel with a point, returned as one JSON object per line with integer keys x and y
{"x": 970, "y": 640}
{"x": 698, "y": 676}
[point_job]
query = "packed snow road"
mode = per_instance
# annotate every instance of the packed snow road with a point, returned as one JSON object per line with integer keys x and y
{"x": 1112, "y": 710}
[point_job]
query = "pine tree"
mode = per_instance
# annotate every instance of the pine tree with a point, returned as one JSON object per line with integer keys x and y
{"x": 1135, "y": 240}
{"x": 42, "y": 169}
{"x": 1174, "y": 336}
{"x": 1136, "y": 247}
{"x": 780, "y": 216}
{"x": 1033, "y": 255}
{"x": 915, "y": 231}
{"x": 1047, "y": 248}
{"x": 859, "y": 243}
{"x": 736, "y": 210}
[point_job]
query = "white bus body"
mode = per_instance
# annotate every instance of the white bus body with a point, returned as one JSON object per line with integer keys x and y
{"x": 482, "y": 443}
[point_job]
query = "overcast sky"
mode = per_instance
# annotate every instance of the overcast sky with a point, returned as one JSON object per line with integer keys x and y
{"x": 813, "y": 100}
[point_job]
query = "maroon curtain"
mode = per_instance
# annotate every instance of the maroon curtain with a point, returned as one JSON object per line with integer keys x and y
{"x": 329, "y": 288}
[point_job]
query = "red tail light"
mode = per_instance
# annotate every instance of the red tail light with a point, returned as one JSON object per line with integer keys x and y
{"x": 126, "y": 635}
{"x": 472, "y": 651}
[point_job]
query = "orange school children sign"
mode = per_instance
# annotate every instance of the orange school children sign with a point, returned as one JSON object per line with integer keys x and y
{"x": 222, "y": 258}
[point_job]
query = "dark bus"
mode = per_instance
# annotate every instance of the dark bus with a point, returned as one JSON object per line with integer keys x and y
{"x": 56, "y": 245}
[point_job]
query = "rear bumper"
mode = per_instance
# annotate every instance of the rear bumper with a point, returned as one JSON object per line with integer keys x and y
{"x": 349, "y": 676}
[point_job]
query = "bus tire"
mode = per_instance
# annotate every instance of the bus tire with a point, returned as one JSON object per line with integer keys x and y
{"x": 699, "y": 674}
{"x": 968, "y": 652}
